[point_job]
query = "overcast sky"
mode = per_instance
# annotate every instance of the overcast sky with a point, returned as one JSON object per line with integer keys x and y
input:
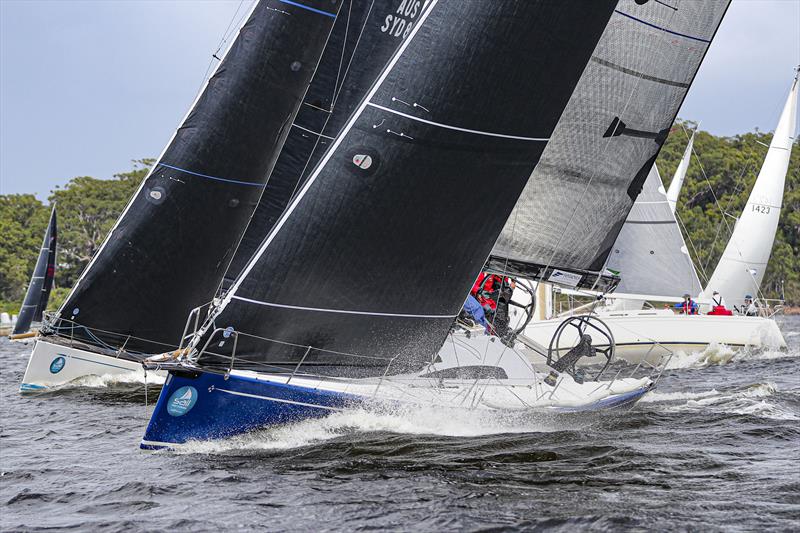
{"x": 87, "y": 86}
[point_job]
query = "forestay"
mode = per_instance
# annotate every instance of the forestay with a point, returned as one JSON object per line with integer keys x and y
{"x": 376, "y": 253}
{"x": 650, "y": 254}
{"x": 605, "y": 144}
{"x": 170, "y": 248}
{"x": 38, "y": 293}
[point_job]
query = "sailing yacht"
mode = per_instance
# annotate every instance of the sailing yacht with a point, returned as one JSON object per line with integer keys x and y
{"x": 38, "y": 293}
{"x": 642, "y": 256}
{"x": 352, "y": 297}
{"x": 169, "y": 250}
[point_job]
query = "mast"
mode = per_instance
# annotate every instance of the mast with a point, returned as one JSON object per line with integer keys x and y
{"x": 575, "y": 204}
{"x": 169, "y": 249}
{"x": 744, "y": 261}
{"x": 680, "y": 173}
{"x": 38, "y": 293}
{"x": 374, "y": 256}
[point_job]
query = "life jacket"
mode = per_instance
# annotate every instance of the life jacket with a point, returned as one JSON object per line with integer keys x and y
{"x": 720, "y": 310}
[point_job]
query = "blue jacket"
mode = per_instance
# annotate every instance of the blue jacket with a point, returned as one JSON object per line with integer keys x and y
{"x": 474, "y": 309}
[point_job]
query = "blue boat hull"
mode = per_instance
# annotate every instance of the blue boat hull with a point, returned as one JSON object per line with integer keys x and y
{"x": 211, "y": 406}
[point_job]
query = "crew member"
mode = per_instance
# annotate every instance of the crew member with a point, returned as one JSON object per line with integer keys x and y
{"x": 750, "y": 307}
{"x": 688, "y": 306}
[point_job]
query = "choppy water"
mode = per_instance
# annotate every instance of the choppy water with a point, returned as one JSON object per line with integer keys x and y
{"x": 716, "y": 446}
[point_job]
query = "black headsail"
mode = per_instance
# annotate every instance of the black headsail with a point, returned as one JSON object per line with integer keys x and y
{"x": 171, "y": 246}
{"x": 376, "y": 253}
{"x": 605, "y": 144}
{"x": 41, "y": 283}
{"x": 365, "y": 36}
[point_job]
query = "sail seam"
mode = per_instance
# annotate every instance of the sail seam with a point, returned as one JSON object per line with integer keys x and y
{"x": 226, "y": 180}
{"x": 663, "y": 29}
{"x": 309, "y": 8}
{"x": 456, "y": 128}
{"x": 340, "y": 311}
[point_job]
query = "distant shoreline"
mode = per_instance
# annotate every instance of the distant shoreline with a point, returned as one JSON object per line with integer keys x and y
{"x": 791, "y": 310}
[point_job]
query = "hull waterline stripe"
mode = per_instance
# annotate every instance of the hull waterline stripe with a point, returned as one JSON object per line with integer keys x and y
{"x": 99, "y": 363}
{"x": 309, "y": 8}
{"x": 662, "y": 29}
{"x": 279, "y": 400}
{"x": 456, "y": 128}
{"x": 341, "y": 311}
{"x": 215, "y": 178}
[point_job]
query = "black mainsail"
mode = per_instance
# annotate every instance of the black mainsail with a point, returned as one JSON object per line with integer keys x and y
{"x": 594, "y": 167}
{"x": 365, "y": 36}
{"x": 41, "y": 284}
{"x": 374, "y": 256}
{"x": 168, "y": 251}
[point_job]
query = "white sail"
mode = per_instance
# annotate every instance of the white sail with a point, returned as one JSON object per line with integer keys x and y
{"x": 741, "y": 268}
{"x": 649, "y": 253}
{"x": 677, "y": 180}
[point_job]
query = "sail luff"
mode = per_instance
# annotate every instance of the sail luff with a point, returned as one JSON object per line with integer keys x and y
{"x": 676, "y": 184}
{"x": 741, "y": 268}
{"x": 38, "y": 293}
{"x": 169, "y": 249}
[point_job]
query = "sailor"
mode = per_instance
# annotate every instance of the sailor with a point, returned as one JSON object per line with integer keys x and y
{"x": 475, "y": 311}
{"x": 718, "y": 305}
{"x": 750, "y": 307}
{"x": 717, "y": 300}
{"x": 687, "y": 306}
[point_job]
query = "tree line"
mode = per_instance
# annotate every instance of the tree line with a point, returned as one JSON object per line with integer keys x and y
{"x": 720, "y": 178}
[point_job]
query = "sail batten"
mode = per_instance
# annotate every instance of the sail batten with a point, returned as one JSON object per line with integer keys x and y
{"x": 607, "y": 140}
{"x": 169, "y": 249}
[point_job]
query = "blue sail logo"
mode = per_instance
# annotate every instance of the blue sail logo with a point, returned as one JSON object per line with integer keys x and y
{"x": 57, "y": 364}
{"x": 182, "y": 400}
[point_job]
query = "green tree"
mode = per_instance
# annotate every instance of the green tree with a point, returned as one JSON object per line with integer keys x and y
{"x": 88, "y": 208}
{"x": 23, "y": 219}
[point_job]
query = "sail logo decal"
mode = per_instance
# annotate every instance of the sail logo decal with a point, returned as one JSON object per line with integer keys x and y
{"x": 565, "y": 278}
{"x": 402, "y": 21}
{"x": 182, "y": 401}
{"x": 362, "y": 161}
{"x": 58, "y": 364}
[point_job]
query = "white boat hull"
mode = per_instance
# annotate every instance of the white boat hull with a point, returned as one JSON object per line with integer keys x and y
{"x": 651, "y": 335}
{"x": 53, "y": 365}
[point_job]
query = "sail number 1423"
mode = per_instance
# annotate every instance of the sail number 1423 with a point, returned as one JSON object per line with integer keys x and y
{"x": 763, "y": 209}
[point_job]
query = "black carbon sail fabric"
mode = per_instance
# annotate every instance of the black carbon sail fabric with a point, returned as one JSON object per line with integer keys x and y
{"x": 365, "y": 36}
{"x": 650, "y": 254}
{"x": 38, "y": 293}
{"x": 170, "y": 248}
{"x": 608, "y": 138}
{"x": 376, "y": 254}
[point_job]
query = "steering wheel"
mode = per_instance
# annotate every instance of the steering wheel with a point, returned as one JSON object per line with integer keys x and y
{"x": 583, "y": 325}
